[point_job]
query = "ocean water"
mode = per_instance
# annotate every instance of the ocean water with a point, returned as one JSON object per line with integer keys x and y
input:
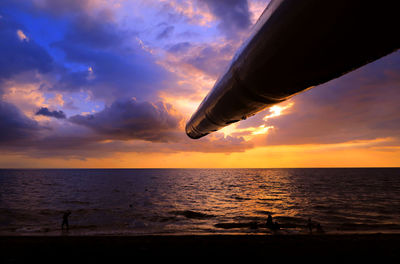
{"x": 198, "y": 201}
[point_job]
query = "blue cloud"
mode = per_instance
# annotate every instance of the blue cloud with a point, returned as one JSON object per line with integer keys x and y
{"x": 44, "y": 111}
{"x": 113, "y": 74}
{"x": 119, "y": 67}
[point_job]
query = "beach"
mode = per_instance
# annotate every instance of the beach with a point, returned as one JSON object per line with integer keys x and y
{"x": 112, "y": 249}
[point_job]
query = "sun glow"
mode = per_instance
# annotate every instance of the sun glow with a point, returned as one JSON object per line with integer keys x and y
{"x": 277, "y": 110}
{"x": 261, "y": 130}
{"x": 229, "y": 130}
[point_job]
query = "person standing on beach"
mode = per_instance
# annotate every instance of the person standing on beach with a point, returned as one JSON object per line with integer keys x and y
{"x": 269, "y": 221}
{"x": 65, "y": 220}
{"x": 310, "y": 225}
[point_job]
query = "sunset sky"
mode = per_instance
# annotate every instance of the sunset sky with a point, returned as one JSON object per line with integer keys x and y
{"x": 111, "y": 83}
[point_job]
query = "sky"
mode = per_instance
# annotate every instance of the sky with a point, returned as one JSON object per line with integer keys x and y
{"x": 111, "y": 84}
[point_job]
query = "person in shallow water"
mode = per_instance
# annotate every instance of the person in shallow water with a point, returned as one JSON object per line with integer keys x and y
{"x": 319, "y": 228}
{"x": 310, "y": 225}
{"x": 269, "y": 221}
{"x": 65, "y": 220}
{"x": 274, "y": 226}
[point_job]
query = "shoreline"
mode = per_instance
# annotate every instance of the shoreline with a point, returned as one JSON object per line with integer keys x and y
{"x": 20, "y": 249}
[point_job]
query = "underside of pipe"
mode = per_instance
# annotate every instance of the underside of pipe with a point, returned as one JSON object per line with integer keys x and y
{"x": 294, "y": 46}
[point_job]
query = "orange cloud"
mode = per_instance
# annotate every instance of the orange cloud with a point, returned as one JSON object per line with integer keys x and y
{"x": 21, "y": 35}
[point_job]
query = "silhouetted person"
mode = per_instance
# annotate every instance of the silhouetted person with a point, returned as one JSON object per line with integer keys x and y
{"x": 269, "y": 223}
{"x": 319, "y": 229}
{"x": 65, "y": 220}
{"x": 309, "y": 225}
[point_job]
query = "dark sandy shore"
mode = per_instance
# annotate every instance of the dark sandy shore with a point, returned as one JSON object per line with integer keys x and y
{"x": 113, "y": 249}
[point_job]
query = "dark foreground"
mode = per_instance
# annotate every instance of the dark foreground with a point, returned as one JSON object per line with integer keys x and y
{"x": 113, "y": 249}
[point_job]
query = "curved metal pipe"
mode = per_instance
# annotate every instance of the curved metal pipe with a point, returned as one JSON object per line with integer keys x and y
{"x": 294, "y": 46}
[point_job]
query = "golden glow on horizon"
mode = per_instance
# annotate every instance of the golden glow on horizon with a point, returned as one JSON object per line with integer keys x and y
{"x": 366, "y": 153}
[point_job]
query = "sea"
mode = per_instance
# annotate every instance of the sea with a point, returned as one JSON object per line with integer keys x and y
{"x": 135, "y": 202}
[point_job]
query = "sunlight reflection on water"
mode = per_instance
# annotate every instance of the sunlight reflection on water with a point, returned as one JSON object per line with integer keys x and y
{"x": 177, "y": 201}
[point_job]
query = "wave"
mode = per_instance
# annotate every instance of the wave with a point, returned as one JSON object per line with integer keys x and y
{"x": 192, "y": 214}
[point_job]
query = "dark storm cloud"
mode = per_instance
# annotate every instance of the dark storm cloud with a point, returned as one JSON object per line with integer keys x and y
{"x": 14, "y": 125}
{"x": 19, "y": 55}
{"x": 126, "y": 120}
{"x": 44, "y": 111}
{"x": 234, "y": 15}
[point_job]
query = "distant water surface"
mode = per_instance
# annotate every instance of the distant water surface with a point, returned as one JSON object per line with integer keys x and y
{"x": 198, "y": 201}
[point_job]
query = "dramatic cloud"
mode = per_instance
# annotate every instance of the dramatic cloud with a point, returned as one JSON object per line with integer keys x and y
{"x": 124, "y": 76}
{"x": 111, "y": 75}
{"x": 126, "y": 120}
{"x": 105, "y": 63}
{"x": 114, "y": 68}
{"x": 44, "y": 111}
